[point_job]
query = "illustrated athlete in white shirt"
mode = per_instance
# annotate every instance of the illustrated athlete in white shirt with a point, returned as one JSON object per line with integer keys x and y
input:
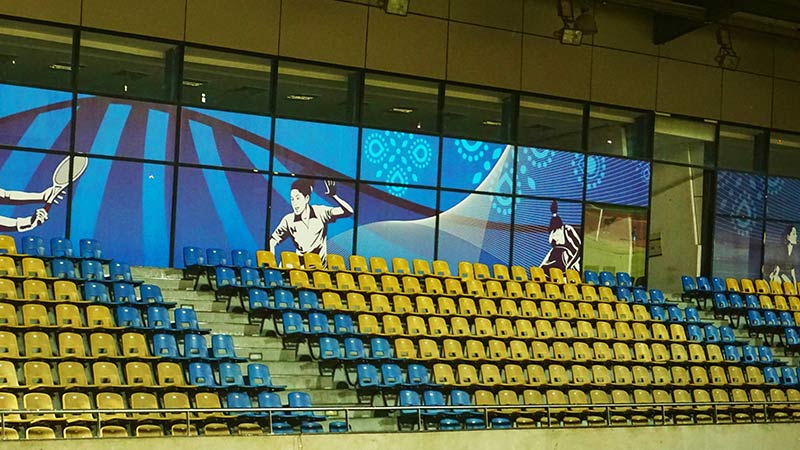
{"x": 307, "y": 224}
{"x": 22, "y": 224}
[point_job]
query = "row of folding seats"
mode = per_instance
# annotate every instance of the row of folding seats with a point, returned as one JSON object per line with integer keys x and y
{"x": 24, "y": 267}
{"x": 84, "y": 317}
{"x": 67, "y": 291}
{"x": 747, "y": 286}
{"x": 58, "y": 247}
{"x": 70, "y": 345}
{"x": 733, "y": 303}
{"x": 134, "y": 374}
{"x": 40, "y": 405}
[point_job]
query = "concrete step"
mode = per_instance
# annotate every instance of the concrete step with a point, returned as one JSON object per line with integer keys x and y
{"x": 162, "y": 273}
{"x": 303, "y": 382}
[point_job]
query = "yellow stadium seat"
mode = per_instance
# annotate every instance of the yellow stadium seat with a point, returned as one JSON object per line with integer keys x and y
{"x": 416, "y": 326}
{"x": 527, "y": 308}
{"x": 313, "y": 261}
{"x": 35, "y": 315}
{"x": 322, "y": 280}
{"x": 443, "y": 374}
{"x": 356, "y": 302}
{"x": 345, "y": 281}
{"x": 452, "y": 350}
{"x": 290, "y": 260}
{"x": 466, "y": 306}
{"x": 34, "y": 267}
{"x": 70, "y": 345}
{"x": 299, "y": 278}
{"x": 390, "y": 283}
{"x": 266, "y": 259}
{"x": 571, "y": 292}
{"x": 487, "y": 307}
{"x": 524, "y": 328}
{"x": 552, "y": 291}
{"x": 170, "y": 374}
{"x": 378, "y": 265}
{"x": 35, "y": 290}
{"x": 446, "y": 306}
{"x": 8, "y": 268}
{"x": 421, "y": 267}
{"x": 459, "y": 326}
{"x": 519, "y": 274}
{"x": 501, "y": 272}
{"x": 428, "y": 350}
{"x": 368, "y": 324}
{"x": 8, "y": 290}
{"x": 38, "y": 373}
{"x": 336, "y": 262}
{"x": 332, "y": 301}
{"x": 747, "y": 286}
{"x": 37, "y": 345}
{"x": 480, "y": 271}
{"x": 538, "y": 275}
{"x": 366, "y": 282}
{"x": 589, "y": 293}
{"x": 103, "y": 345}
{"x": 557, "y": 275}
{"x": 533, "y": 290}
{"x": 358, "y": 263}
{"x": 503, "y": 327}
{"x": 573, "y": 277}
{"x": 411, "y": 285}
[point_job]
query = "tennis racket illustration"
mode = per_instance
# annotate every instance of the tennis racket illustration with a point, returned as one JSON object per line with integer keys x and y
{"x": 62, "y": 178}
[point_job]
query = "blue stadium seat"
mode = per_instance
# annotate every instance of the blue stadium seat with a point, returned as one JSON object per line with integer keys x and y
{"x": 692, "y": 315}
{"x": 230, "y": 375}
{"x": 329, "y": 349}
{"x": 267, "y": 399}
{"x": 749, "y": 354}
{"x": 590, "y": 277}
{"x": 127, "y": 316}
{"x": 343, "y": 324}
{"x": 720, "y": 302}
{"x": 96, "y": 292}
{"x": 693, "y": 333}
{"x": 751, "y": 302}
{"x": 216, "y": 257}
{"x": 121, "y": 271}
{"x": 354, "y": 349}
{"x": 434, "y": 398}
{"x": 380, "y": 348}
{"x": 718, "y": 285}
{"x": 726, "y": 334}
{"x": 282, "y": 427}
{"x": 640, "y": 296}
{"x": 318, "y": 323}
{"x": 675, "y": 314}
{"x": 771, "y": 375}
{"x": 624, "y": 279}
{"x": 788, "y": 376}
{"x": 194, "y": 346}
{"x": 459, "y": 397}
{"x": 607, "y": 279}
{"x": 688, "y": 284}
{"x": 367, "y": 376}
{"x": 61, "y": 248}
{"x": 63, "y": 268}
{"x": 91, "y": 249}
{"x": 785, "y": 318}
{"x": 258, "y": 299}
{"x": 193, "y": 257}
{"x": 792, "y": 341}
{"x": 765, "y": 355}
{"x": 292, "y": 324}
{"x": 241, "y": 258}
{"x": 448, "y": 424}
{"x": 201, "y": 374}
{"x": 273, "y": 277}
{"x": 703, "y": 284}
{"x": 735, "y": 300}
{"x": 338, "y": 426}
{"x": 474, "y": 423}
{"x": 624, "y": 295}
{"x": 165, "y": 346}
{"x": 226, "y": 282}
{"x": 391, "y": 376}
{"x": 239, "y": 400}
{"x": 408, "y": 398}
{"x": 771, "y": 319}
{"x": 284, "y": 299}
{"x": 158, "y": 318}
{"x": 307, "y": 300}
{"x": 186, "y": 319}
{"x": 250, "y": 277}
{"x": 418, "y": 375}
{"x": 311, "y": 427}
{"x": 711, "y": 333}
{"x": 151, "y": 294}
{"x": 92, "y": 270}
{"x": 657, "y": 297}
{"x": 33, "y": 245}
{"x": 501, "y": 423}
{"x": 258, "y": 376}
{"x": 301, "y": 399}
{"x": 731, "y": 353}
{"x": 124, "y": 293}
{"x": 658, "y": 313}
{"x": 222, "y": 347}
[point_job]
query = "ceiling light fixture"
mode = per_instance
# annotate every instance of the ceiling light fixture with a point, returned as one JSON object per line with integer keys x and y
{"x": 573, "y": 30}
{"x": 397, "y": 7}
{"x": 61, "y": 66}
{"x": 193, "y": 83}
{"x": 301, "y": 97}
{"x": 492, "y": 123}
{"x": 402, "y": 109}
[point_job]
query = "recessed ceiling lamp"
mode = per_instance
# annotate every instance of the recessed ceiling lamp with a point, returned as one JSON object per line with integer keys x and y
{"x": 492, "y": 123}
{"x": 301, "y": 97}
{"x": 402, "y": 109}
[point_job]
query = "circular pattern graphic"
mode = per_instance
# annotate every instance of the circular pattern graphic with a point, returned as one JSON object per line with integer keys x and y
{"x": 471, "y": 151}
{"x": 397, "y": 158}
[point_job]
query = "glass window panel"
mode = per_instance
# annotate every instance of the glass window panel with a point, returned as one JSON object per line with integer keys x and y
{"x": 317, "y": 93}
{"x": 676, "y": 223}
{"x": 331, "y": 228}
{"x": 550, "y": 173}
{"x": 35, "y": 55}
{"x": 126, "y": 67}
{"x": 781, "y": 253}
{"x": 316, "y": 149}
{"x": 784, "y": 154}
{"x": 740, "y": 194}
{"x": 737, "y": 247}
{"x": 783, "y": 201}
{"x": 684, "y": 141}
{"x": 615, "y": 239}
{"x": 476, "y": 229}
{"x": 478, "y": 114}
{"x": 399, "y": 158}
{"x": 220, "y": 209}
{"x": 550, "y": 123}
{"x": 620, "y": 132}
{"x": 127, "y": 206}
{"x": 617, "y": 180}
{"x": 477, "y": 165}
{"x": 26, "y": 176}
{"x": 227, "y": 139}
{"x": 120, "y": 127}
{"x": 401, "y": 103}
{"x": 228, "y": 81}
{"x": 35, "y": 118}
{"x": 396, "y": 221}
{"x": 547, "y": 238}
{"x": 740, "y": 148}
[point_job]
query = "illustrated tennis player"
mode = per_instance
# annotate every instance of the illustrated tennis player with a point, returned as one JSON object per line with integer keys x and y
{"x": 50, "y": 196}
{"x": 565, "y": 242}
{"x": 307, "y": 224}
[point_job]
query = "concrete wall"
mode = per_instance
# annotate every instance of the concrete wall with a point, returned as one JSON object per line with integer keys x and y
{"x": 506, "y": 44}
{"x": 729, "y": 437}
